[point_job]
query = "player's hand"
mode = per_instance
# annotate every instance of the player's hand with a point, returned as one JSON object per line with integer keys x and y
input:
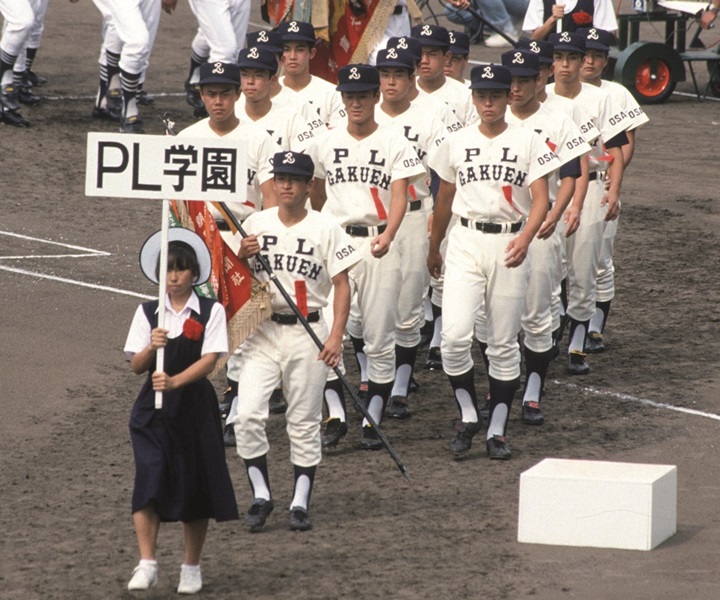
{"x": 249, "y": 246}
{"x": 708, "y": 18}
{"x": 434, "y": 263}
{"x": 331, "y": 352}
{"x": 380, "y": 246}
{"x": 548, "y": 227}
{"x": 460, "y": 3}
{"x": 613, "y": 206}
{"x": 162, "y": 382}
{"x": 571, "y": 219}
{"x": 516, "y": 252}
{"x": 169, "y": 5}
{"x": 558, "y": 11}
{"x": 158, "y": 338}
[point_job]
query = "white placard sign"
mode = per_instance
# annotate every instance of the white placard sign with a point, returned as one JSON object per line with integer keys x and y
{"x": 120, "y": 165}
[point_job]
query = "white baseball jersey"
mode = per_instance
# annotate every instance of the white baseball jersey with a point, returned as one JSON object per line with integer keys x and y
{"x": 621, "y": 96}
{"x": 323, "y": 97}
{"x": 436, "y": 107}
{"x": 358, "y": 173}
{"x": 313, "y": 250}
{"x": 573, "y": 110}
{"x": 284, "y": 125}
{"x": 424, "y": 132}
{"x": 261, "y": 149}
{"x": 457, "y": 97}
{"x": 493, "y": 175}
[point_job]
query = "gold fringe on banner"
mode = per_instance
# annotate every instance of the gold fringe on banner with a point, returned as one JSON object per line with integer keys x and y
{"x": 374, "y": 31}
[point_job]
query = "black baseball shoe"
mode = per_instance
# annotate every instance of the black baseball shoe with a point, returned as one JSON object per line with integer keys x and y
{"x": 131, "y": 125}
{"x": 192, "y": 95}
{"x": 434, "y": 360}
{"x": 278, "y": 404}
{"x": 9, "y": 97}
{"x": 397, "y": 408}
{"x": 114, "y": 101}
{"x": 369, "y": 439}
{"x": 34, "y": 79}
{"x": 229, "y": 438}
{"x": 11, "y": 117}
{"x": 462, "y": 442}
{"x": 594, "y": 343}
{"x": 105, "y": 114}
{"x": 577, "y": 364}
{"x": 258, "y": 513}
{"x": 414, "y": 385}
{"x": 531, "y": 414}
{"x": 497, "y": 448}
{"x": 299, "y": 520}
{"x": 25, "y": 96}
{"x": 144, "y": 99}
{"x": 335, "y": 430}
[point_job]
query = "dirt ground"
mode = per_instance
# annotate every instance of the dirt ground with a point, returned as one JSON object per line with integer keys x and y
{"x": 451, "y": 532}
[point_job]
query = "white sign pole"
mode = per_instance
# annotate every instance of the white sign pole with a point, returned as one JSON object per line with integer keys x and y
{"x": 162, "y": 287}
{"x": 558, "y": 23}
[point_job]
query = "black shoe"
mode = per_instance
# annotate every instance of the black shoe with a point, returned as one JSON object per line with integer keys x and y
{"x": 369, "y": 439}
{"x": 25, "y": 96}
{"x": 397, "y": 408}
{"x": 106, "y": 114}
{"x": 229, "y": 436}
{"x": 278, "y": 404}
{"x": 34, "y": 78}
{"x": 9, "y": 97}
{"x": 299, "y": 520}
{"x": 497, "y": 448}
{"x": 145, "y": 99}
{"x": 131, "y": 125}
{"x": 462, "y": 442}
{"x": 192, "y": 95}
{"x": 414, "y": 385}
{"x": 114, "y": 101}
{"x": 13, "y": 118}
{"x": 335, "y": 430}
{"x": 485, "y": 408}
{"x": 577, "y": 364}
{"x": 434, "y": 360}
{"x": 531, "y": 414}
{"x": 258, "y": 514}
{"x": 594, "y": 343}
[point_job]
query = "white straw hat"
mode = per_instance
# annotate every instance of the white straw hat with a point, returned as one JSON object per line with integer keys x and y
{"x": 150, "y": 253}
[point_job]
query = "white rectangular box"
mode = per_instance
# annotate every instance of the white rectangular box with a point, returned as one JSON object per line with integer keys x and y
{"x": 599, "y": 504}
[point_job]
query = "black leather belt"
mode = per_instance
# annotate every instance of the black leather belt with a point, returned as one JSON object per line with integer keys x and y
{"x": 491, "y": 227}
{"x": 362, "y": 231}
{"x": 398, "y": 10}
{"x": 222, "y": 225}
{"x": 291, "y": 319}
{"x": 595, "y": 175}
{"x": 415, "y": 205}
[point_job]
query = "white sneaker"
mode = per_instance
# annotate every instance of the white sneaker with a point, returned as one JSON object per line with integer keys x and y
{"x": 190, "y": 579}
{"x": 144, "y": 576}
{"x": 497, "y": 41}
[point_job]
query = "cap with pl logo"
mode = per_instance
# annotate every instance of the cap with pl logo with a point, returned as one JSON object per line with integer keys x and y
{"x": 490, "y": 77}
{"x": 269, "y": 40}
{"x": 542, "y": 48}
{"x": 568, "y": 42}
{"x": 257, "y": 58}
{"x": 218, "y": 72}
{"x": 431, "y": 35}
{"x": 293, "y": 163}
{"x": 408, "y": 44}
{"x": 393, "y": 57}
{"x": 521, "y": 63}
{"x": 297, "y": 31}
{"x": 459, "y": 43}
{"x": 358, "y": 78}
{"x": 596, "y": 39}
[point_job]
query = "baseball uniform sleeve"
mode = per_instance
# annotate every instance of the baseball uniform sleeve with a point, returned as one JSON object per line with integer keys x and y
{"x": 440, "y": 161}
{"x": 541, "y": 159}
{"x": 406, "y": 163}
{"x": 341, "y": 251}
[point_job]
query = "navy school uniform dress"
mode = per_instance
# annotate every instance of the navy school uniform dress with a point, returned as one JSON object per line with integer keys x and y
{"x": 179, "y": 452}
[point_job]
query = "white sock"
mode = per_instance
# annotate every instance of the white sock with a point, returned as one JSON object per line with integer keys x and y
{"x": 577, "y": 343}
{"x": 497, "y": 421}
{"x": 334, "y": 405}
{"x": 597, "y": 321}
{"x": 259, "y": 484}
{"x": 402, "y": 380}
{"x": 468, "y": 414}
{"x": 375, "y": 407}
{"x": 532, "y": 388}
{"x": 437, "y": 331}
{"x": 362, "y": 362}
{"x": 302, "y": 489}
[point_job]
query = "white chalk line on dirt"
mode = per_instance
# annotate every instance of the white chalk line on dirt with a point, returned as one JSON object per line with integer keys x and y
{"x": 87, "y": 251}
{"x": 646, "y": 402}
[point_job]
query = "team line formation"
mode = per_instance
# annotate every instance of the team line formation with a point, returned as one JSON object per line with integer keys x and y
{"x": 403, "y": 206}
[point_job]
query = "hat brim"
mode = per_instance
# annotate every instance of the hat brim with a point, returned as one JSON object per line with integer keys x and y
{"x": 489, "y": 85}
{"x": 253, "y": 64}
{"x": 523, "y": 72}
{"x": 150, "y": 253}
{"x": 568, "y": 48}
{"x": 219, "y": 80}
{"x": 459, "y": 50}
{"x": 589, "y": 45}
{"x": 394, "y": 64}
{"x": 298, "y": 37}
{"x": 290, "y": 170}
{"x": 357, "y": 87}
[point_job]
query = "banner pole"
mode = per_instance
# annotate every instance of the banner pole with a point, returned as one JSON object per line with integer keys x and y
{"x": 162, "y": 289}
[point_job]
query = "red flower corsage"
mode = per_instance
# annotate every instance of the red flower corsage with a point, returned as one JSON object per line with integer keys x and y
{"x": 192, "y": 330}
{"x": 581, "y": 18}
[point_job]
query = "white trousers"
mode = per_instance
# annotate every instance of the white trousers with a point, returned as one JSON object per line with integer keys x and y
{"x": 19, "y": 20}
{"x": 222, "y": 27}
{"x": 136, "y": 23}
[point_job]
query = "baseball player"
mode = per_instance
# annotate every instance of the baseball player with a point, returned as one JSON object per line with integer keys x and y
{"x": 18, "y": 22}
{"x": 564, "y": 138}
{"x": 258, "y": 68}
{"x": 22, "y": 78}
{"x": 599, "y": 205}
{"x": 222, "y": 25}
{"x": 494, "y": 178}
{"x": 363, "y": 172}
{"x": 311, "y": 256}
{"x": 299, "y": 49}
{"x": 459, "y": 55}
{"x": 597, "y": 44}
